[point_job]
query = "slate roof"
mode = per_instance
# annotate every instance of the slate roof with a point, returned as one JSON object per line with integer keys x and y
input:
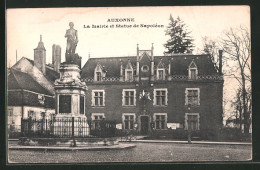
{"x": 50, "y": 73}
{"x": 179, "y": 64}
{"x": 21, "y": 80}
{"x": 110, "y": 64}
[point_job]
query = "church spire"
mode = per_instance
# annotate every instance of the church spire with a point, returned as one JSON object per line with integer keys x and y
{"x": 40, "y": 44}
{"x": 40, "y": 56}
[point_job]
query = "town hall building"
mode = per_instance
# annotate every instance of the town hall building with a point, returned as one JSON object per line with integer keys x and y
{"x": 153, "y": 93}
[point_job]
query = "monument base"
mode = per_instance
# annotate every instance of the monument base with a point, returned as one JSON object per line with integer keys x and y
{"x": 70, "y": 95}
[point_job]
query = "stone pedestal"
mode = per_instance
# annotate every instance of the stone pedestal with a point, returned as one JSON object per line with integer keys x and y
{"x": 73, "y": 59}
{"x": 70, "y": 102}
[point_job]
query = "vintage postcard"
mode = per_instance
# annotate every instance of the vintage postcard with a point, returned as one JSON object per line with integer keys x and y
{"x": 129, "y": 84}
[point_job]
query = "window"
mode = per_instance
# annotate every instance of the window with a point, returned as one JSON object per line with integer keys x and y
{"x": 129, "y": 75}
{"x": 193, "y": 71}
{"x": 192, "y": 121}
{"x": 129, "y": 96}
{"x": 10, "y": 112}
{"x": 64, "y": 103}
{"x": 193, "y": 74}
{"x": 145, "y": 68}
{"x": 128, "y": 120}
{"x": 43, "y": 114}
{"x": 99, "y": 72}
{"x": 160, "y": 97}
{"x": 98, "y": 98}
{"x": 192, "y": 96}
{"x": 82, "y": 104}
{"x": 96, "y": 120}
{"x": 31, "y": 114}
{"x": 160, "y": 120}
{"x": 160, "y": 74}
{"x": 129, "y": 71}
{"x": 10, "y": 116}
{"x": 98, "y": 75}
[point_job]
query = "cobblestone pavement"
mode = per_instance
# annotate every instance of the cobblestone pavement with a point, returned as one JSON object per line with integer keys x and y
{"x": 143, "y": 152}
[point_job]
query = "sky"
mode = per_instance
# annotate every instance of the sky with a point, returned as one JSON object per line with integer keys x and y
{"x": 24, "y": 27}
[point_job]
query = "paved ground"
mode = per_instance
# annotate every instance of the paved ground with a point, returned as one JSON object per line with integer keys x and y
{"x": 143, "y": 152}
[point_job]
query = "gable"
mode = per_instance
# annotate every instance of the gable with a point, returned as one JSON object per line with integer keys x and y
{"x": 27, "y": 66}
{"x": 161, "y": 65}
{"x": 98, "y": 68}
{"x": 129, "y": 65}
{"x": 145, "y": 57}
{"x": 192, "y": 64}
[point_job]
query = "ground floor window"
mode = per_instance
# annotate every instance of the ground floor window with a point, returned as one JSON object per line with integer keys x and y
{"x": 192, "y": 121}
{"x": 10, "y": 116}
{"x": 96, "y": 120}
{"x": 31, "y": 114}
{"x": 128, "y": 120}
{"x": 160, "y": 120}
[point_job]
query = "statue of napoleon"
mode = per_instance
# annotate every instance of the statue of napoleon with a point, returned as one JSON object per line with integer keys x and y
{"x": 72, "y": 41}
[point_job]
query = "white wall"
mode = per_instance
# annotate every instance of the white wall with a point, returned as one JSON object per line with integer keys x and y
{"x": 17, "y": 114}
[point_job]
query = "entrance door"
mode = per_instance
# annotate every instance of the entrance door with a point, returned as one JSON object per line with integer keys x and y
{"x": 144, "y": 125}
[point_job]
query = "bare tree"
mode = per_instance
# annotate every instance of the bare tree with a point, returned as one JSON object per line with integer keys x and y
{"x": 211, "y": 48}
{"x": 236, "y": 43}
{"x": 237, "y": 105}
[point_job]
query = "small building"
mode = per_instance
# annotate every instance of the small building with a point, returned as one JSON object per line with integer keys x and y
{"x": 30, "y": 88}
{"x": 154, "y": 93}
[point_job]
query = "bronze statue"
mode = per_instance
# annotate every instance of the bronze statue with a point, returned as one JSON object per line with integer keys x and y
{"x": 72, "y": 39}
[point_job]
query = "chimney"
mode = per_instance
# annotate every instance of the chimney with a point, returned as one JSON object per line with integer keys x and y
{"x": 220, "y": 62}
{"x": 56, "y": 57}
{"x": 40, "y": 56}
{"x": 152, "y": 64}
{"x": 137, "y": 63}
{"x": 121, "y": 71}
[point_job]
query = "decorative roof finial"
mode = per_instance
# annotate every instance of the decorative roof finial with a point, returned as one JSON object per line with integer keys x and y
{"x": 40, "y": 38}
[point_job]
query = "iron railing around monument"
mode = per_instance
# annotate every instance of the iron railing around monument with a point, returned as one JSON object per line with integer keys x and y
{"x": 65, "y": 128}
{"x": 105, "y": 128}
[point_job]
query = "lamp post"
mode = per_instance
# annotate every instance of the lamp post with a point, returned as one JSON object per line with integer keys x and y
{"x": 189, "y": 128}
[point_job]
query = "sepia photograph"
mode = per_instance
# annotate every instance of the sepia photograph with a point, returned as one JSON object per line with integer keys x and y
{"x": 128, "y": 84}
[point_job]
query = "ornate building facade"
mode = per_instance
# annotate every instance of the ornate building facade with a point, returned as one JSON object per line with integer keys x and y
{"x": 153, "y": 93}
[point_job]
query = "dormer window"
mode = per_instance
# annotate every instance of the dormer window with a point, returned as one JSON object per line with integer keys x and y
{"x": 160, "y": 71}
{"x": 129, "y": 76}
{"x": 193, "y": 74}
{"x": 129, "y": 71}
{"x": 160, "y": 74}
{"x": 98, "y": 75}
{"x": 193, "y": 71}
